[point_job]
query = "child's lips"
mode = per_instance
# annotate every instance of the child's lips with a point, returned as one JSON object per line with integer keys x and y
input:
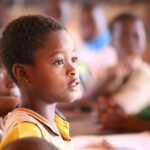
{"x": 74, "y": 85}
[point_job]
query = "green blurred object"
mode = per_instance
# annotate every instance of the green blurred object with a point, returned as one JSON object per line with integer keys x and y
{"x": 144, "y": 114}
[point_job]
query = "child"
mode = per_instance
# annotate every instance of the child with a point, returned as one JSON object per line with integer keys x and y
{"x": 40, "y": 57}
{"x": 9, "y": 94}
{"x": 129, "y": 41}
{"x": 129, "y": 97}
{"x": 30, "y": 144}
{"x": 94, "y": 49}
{"x": 9, "y": 97}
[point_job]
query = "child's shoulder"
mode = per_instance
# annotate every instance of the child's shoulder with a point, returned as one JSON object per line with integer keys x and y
{"x": 19, "y": 125}
{"x": 22, "y": 123}
{"x": 16, "y": 117}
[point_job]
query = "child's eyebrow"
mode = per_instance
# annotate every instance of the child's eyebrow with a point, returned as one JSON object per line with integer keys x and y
{"x": 56, "y": 53}
{"x": 59, "y": 52}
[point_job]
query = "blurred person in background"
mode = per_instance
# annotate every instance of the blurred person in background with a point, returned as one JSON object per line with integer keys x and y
{"x": 9, "y": 94}
{"x": 95, "y": 54}
{"x": 59, "y": 9}
{"x": 126, "y": 98}
{"x": 3, "y": 13}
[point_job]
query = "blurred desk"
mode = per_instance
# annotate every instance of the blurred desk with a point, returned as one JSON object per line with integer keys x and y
{"x": 84, "y": 123}
{"x": 87, "y": 134}
{"x": 139, "y": 141}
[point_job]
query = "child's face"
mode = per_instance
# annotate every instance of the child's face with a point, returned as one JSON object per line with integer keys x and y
{"x": 54, "y": 76}
{"x": 9, "y": 93}
{"x": 7, "y": 86}
{"x": 129, "y": 38}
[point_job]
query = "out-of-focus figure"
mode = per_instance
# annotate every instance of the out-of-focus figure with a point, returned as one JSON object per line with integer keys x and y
{"x": 95, "y": 54}
{"x": 9, "y": 94}
{"x": 126, "y": 98}
{"x": 3, "y": 13}
{"x": 59, "y": 9}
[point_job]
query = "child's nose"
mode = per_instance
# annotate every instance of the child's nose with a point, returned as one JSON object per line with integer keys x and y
{"x": 72, "y": 71}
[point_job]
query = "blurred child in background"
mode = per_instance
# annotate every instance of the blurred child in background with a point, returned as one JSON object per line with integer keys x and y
{"x": 9, "y": 93}
{"x": 95, "y": 54}
{"x": 127, "y": 93}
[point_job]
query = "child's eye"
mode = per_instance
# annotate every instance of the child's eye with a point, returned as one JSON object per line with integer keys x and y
{"x": 59, "y": 62}
{"x": 74, "y": 59}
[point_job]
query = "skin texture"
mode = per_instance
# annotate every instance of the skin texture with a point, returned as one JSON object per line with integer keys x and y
{"x": 53, "y": 78}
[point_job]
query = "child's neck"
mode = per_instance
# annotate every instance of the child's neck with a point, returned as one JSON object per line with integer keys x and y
{"x": 47, "y": 111}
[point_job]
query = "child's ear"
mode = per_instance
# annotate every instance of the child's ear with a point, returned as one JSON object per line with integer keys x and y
{"x": 20, "y": 73}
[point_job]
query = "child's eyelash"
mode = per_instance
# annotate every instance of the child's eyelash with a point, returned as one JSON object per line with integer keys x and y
{"x": 74, "y": 59}
{"x": 59, "y": 62}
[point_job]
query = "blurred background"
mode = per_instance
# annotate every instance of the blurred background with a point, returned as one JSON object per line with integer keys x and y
{"x": 89, "y": 22}
{"x": 69, "y": 12}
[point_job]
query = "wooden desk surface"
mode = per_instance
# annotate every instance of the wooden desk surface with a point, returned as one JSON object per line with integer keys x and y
{"x": 88, "y": 135}
{"x": 138, "y": 141}
{"x": 83, "y": 123}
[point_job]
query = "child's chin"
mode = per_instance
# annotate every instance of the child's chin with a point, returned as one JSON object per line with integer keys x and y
{"x": 71, "y": 98}
{"x": 77, "y": 95}
{"x": 74, "y": 98}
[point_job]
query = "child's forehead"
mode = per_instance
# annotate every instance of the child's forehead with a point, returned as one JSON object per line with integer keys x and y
{"x": 59, "y": 42}
{"x": 50, "y": 53}
{"x": 128, "y": 26}
{"x": 128, "y": 23}
{"x": 62, "y": 52}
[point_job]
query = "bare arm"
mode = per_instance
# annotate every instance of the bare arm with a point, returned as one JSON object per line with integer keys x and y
{"x": 113, "y": 117}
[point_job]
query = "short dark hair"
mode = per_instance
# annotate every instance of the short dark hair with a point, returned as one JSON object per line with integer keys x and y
{"x": 123, "y": 17}
{"x": 23, "y": 36}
